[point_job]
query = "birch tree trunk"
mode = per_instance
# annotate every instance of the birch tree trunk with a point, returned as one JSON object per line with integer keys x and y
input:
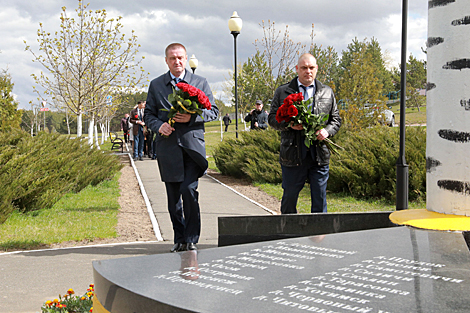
{"x": 96, "y": 137}
{"x": 79, "y": 125}
{"x": 90, "y": 130}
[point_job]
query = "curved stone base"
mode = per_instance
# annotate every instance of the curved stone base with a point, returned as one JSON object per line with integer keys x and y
{"x": 396, "y": 269}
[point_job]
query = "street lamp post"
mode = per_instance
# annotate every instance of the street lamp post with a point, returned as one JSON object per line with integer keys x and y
{"x": 193, "y": 63}
{"x": 235, "y": 26}
{"x": 402, "y": 167}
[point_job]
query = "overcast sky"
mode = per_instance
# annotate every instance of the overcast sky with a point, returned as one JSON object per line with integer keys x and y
{"x": 202, "y": 26}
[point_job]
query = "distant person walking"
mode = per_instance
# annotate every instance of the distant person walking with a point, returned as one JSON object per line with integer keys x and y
{"x": 137, "y": 118}
{"x": 227, "y": 121}
{"x": 125, "y": 127}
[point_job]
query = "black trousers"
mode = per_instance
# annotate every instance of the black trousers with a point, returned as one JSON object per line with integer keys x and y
{"x": 126, "y": 136}
{"x": 183, "y": 204}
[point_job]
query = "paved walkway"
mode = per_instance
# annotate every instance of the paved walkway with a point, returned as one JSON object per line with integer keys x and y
{"x": 30, "y": 278}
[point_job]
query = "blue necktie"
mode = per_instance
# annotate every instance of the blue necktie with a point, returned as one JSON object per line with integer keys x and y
{"x": 304, "y": 92}
{"x": 177, "y": 80}
{"x": 306, "y": 97}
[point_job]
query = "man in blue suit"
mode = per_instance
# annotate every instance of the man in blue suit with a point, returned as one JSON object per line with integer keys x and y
{"x": 181, "y": 152}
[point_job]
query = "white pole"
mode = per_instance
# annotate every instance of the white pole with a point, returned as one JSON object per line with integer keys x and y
{"x": 221, "y": 131}
{"x": 244, "y": 123}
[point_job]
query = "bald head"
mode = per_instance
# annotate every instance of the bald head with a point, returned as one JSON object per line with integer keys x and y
{"x": 306, "y": 69}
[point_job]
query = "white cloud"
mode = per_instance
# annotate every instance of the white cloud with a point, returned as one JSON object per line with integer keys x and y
{"x": 203, "y": 29}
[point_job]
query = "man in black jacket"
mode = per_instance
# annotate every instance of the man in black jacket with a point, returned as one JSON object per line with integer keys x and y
{"x": 257, "y": 117}
{"x": 227, "y": 121}
{"x": 298, "y": 162}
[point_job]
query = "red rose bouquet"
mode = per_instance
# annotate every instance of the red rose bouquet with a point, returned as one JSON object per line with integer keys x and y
{"x": 187, "y": 99}
{"x": 294, "y": 111}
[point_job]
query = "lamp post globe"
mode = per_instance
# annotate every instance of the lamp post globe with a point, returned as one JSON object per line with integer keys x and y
{"x": 235, "y": 25}
{"x": 193, "y": 62}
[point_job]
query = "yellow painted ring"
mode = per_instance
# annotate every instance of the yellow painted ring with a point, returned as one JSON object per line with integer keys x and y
{"x": 97, "y": 306}
{"x": 425, "y": 219}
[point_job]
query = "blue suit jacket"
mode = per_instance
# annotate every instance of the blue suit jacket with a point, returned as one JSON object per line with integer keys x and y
{"x": 188, "y": 136}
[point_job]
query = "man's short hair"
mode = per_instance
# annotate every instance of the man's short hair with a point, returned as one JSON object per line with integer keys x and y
{"x": 172, "y": 46}
{"x": 140, "y": 102}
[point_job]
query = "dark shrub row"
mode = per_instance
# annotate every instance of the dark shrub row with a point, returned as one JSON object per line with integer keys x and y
{"x": 255, "y": 155}
{"x": 37, "y": 171}
{"x": 367, "y": 166}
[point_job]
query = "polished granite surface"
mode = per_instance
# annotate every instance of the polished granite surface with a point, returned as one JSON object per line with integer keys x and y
{"x": 384, "y": 270}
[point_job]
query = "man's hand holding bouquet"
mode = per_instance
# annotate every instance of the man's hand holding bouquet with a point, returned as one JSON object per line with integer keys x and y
{"x": 296, "y": 112}
{"x": 185, "y": 101}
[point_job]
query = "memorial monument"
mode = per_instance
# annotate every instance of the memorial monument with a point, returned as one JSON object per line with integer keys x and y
{"x": 448, "y": 108}
{"x": 448, "y": 120}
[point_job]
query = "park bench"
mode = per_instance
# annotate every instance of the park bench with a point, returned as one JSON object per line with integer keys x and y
{"x": 117, "y": 142}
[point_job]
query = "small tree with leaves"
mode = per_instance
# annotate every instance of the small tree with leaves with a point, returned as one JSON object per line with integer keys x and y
{"x": 328, "y": 68}
{"x": 9, "y": 115}
{"x": 376, "y": 60}
{"x": 251, "y": 87}
{"x": 415, "y": 80}
{"x": 360, "y": 88}
{"x": 87, "y": 59}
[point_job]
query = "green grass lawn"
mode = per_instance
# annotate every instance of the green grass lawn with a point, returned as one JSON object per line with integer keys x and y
{"x": 213, "y": 135}
{"x": 337, "y": 202}
{"x": 412, "y": 115}
{"x": 89, "y": 214}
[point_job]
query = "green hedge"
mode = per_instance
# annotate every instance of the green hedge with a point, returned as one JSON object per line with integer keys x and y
{"x": 37, "y": 171}
{"x": 367, "y": 166}
{"x": 255, "y": 155}
{"x": 365, "y": 169}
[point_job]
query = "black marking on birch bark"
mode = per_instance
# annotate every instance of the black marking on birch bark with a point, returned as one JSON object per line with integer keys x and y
{"x": 465, "y": 104}
{"x": 455, "y": 186}
{"x": 455, "y": 136}
{"x": 434, "y": 41}
{"x": 431, "y": 164}
{"x": 457, "y": 64}
{"x": 439, "y": 3}
{"x": 461, "y": 21}
{"x": 430, "y": 86}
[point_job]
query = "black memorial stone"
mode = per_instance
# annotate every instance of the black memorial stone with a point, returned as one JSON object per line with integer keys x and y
{"x": 395, "y": 269}
{"x": 235, "y": 230}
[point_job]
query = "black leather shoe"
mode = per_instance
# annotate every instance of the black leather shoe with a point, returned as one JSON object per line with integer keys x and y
{"x": 177, "y": 247}
{"x": 191, "y": 246}
{"x": 135, "y": 159}
{"x": 140, "y": 159}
